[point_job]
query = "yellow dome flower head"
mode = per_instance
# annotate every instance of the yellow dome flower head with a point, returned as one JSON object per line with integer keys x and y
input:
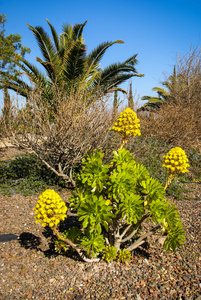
{"x": 127, "y": 124}
{"x": 50, "y": 209}
{"x": 176, "y": 161}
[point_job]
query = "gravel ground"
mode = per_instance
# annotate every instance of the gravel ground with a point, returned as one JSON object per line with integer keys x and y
{"x": 30, "y": 269}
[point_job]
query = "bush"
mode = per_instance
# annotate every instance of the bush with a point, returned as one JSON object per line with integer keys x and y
{"x": 177, "y": 120}
{"x": 60, "y": 137}
{"x": 176, "y": 124}
{"x": 113, "y": 201}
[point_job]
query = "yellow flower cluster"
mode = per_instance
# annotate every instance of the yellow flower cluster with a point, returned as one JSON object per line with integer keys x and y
{"x": 50, "y": 209}
{"x": 127, "y": 124}
{"x": 176, "y": 161}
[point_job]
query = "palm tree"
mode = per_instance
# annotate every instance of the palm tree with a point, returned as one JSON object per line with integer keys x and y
{"x": 68, "y": 66}
{"x": 163, "y": 95}
{"x": 155, "y": 102}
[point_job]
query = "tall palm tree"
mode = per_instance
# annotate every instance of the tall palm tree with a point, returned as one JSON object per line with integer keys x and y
{"x": 68, "y": 66}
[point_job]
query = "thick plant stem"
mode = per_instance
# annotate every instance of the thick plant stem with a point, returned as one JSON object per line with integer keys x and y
{"x": 124, "y": 142}
{"x": 79, "y": 251}
{"x": 141, "y": 240}
{"x": 122, "y": 145}
{"x": 117, "y": 238}
{"x": 125, "y": 231}
{"x": 168, "y": 181}
{"x": 135, "y": 229}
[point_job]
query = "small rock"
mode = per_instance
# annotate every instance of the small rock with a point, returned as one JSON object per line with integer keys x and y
{"x": 78, "y": 297}
{"x": 159, "y": 267}
{"x": 179, "y": 283}
{"x": 146, "y": 261}
{"x": 186, "y": 278}
{"x": 161, "y": 240}
{"x": 138, "y": 297}
{"x": 162, "y": 288}
{"x": 52, "y": 280}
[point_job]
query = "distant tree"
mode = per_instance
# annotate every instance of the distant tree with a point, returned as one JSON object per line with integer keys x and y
{"x": 11, "y": 50}
{"x": 115, "y": 105}
{"x": 6, "y": 111}
{"x": 184, "y": 85}
{"x": 155, "y": 102}
{"x": 188, "y": 83}
{"x": 174, "y": 116}
{"x": 163, "y": 95}
{"x": 130, "y": 98}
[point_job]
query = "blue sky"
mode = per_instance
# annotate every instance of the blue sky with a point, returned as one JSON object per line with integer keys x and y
{"x": 156, "y": 30}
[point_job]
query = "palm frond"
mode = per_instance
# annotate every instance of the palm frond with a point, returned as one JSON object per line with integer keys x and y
{"x": 145, "y": 98}
{"x": 67, "y": 30}
{"x": 115, "y": 81}
{"x": 155, "y": 100}
{"x": 78, "y": 31}
{"x": 49, "y": 67}
{"x": 45, "y": 44}
{"x": 118, "y": 90}
{"x": 131, "y": 60}
{"x": 161, "y": 91}
{"x": 55, "y": 36}
{"x": 31, "y": 71}
{"x": 117, "y": 69}
{"x": 96, "y": 55}
{"x": 74, "y": 62}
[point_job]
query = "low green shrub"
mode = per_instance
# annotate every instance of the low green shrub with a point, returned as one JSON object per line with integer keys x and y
{"x": 26, "y": 175}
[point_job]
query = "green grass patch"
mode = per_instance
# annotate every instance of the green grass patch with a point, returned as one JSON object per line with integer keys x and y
{"x": 27, "y": 175}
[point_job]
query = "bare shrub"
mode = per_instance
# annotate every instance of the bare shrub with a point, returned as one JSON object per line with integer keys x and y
{"x": 62, "y": 133}
{"x": 176, "y": 124}
{"x": 178, "y": 120}
{"x": 188, "y": 68}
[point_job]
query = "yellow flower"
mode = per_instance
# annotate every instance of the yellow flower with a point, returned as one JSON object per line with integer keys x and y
{"x": 176, "y": 161}
{"x": 107, "y": 202}
{"x": 50, "y": 209}
{"x": 127, "y": 124}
